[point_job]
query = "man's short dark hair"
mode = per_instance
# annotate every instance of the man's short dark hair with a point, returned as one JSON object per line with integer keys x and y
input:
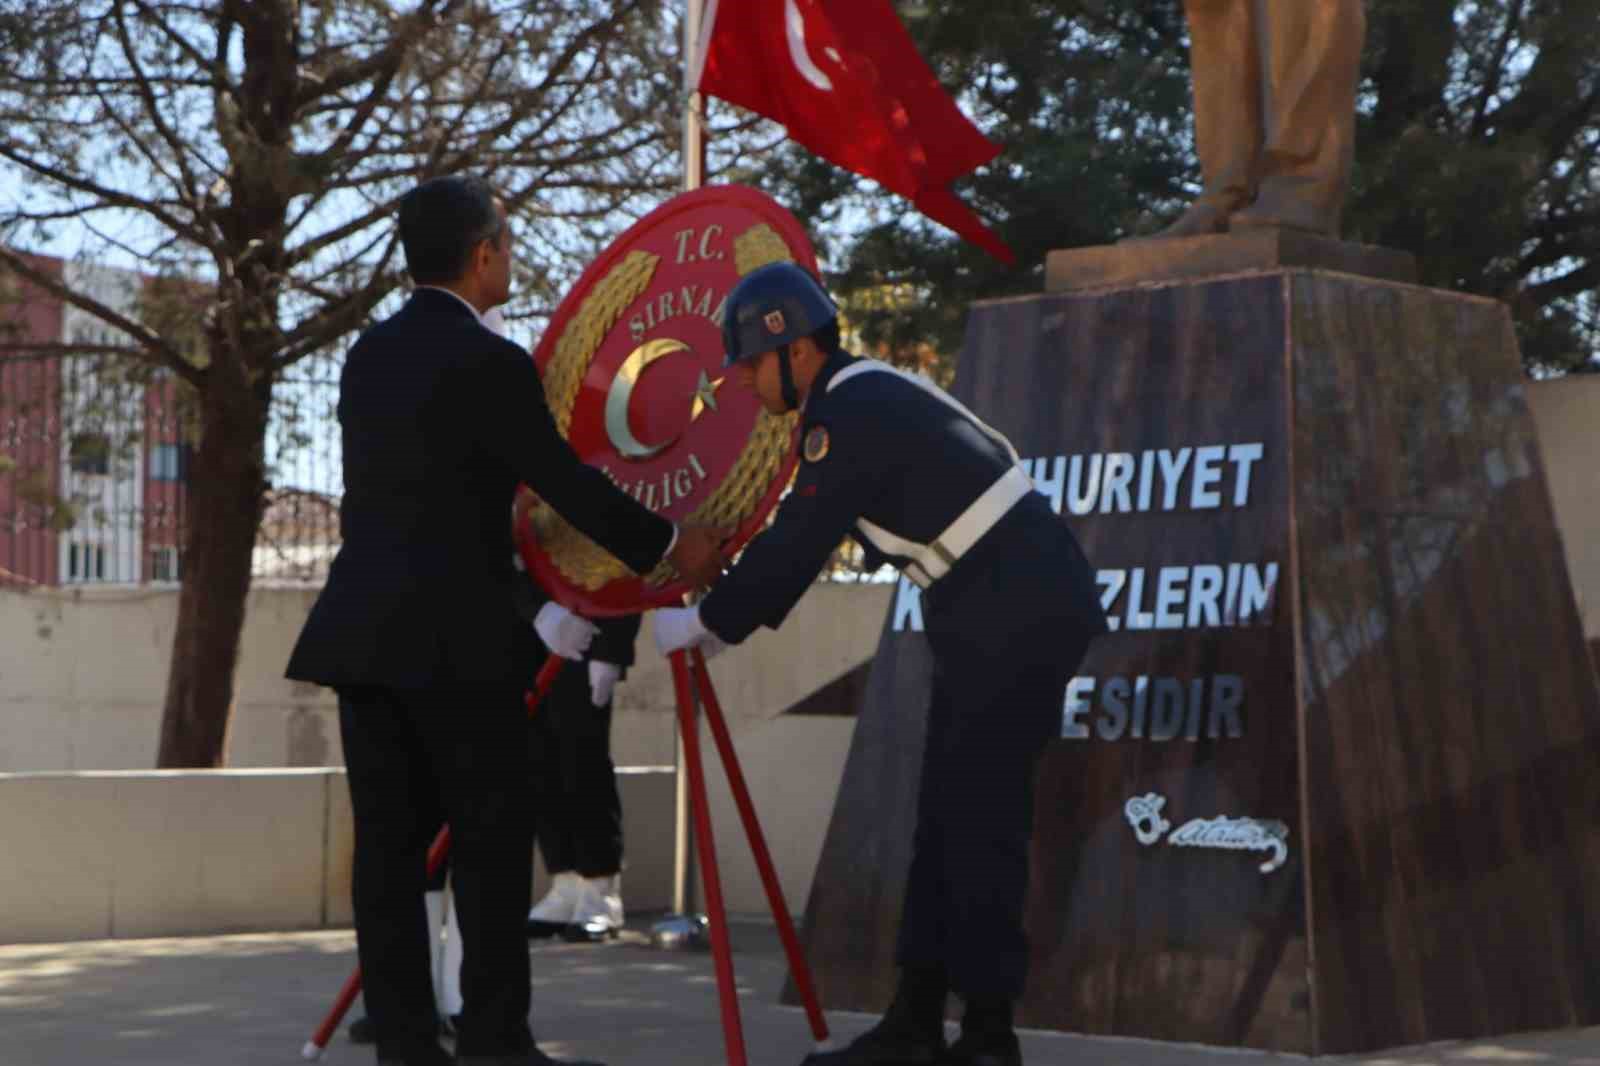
{"x": 441, "y": 222}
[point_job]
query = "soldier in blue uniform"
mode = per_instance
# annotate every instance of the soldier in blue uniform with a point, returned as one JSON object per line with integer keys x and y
{"x": 1010, "y": 607}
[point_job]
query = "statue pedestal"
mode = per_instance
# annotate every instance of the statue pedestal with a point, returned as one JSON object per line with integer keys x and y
{"x": 1329, "y": 786}
{"x": 1141, "y": 262}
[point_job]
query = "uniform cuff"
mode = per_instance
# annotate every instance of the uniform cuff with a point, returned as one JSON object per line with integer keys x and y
{"x": 700, "y": 617}
{"x": 697, "y": 625}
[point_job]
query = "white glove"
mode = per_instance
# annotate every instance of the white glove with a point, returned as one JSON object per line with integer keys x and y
{"x": 677, "y": 628}
{"x": 603, "y": 678}
{"x": 564, "y": 632}
{"x": 495, "y": 321}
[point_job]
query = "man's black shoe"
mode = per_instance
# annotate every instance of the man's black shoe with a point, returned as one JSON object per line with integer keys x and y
{"x": 431, "y": 1056}
{"x": 436, "y": 1057}
{"x": 538, "y": 930}
{"x": 979, "y": 1049}
{"x": 361, "y": 1031}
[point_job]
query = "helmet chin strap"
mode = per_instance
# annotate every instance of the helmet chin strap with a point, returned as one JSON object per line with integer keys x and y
{"x": 791, "y": 396}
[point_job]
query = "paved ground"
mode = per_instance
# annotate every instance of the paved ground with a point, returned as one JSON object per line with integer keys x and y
{"x": 254, "y": 1000}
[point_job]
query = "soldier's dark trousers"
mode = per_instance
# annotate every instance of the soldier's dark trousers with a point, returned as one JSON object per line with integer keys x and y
{"x": 409, "y": 755}
{"x": 1007, "y": 634}
{"x": 578, "y": 812}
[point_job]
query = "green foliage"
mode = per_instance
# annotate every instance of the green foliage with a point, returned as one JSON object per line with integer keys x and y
{"x": 1478, "y": 134}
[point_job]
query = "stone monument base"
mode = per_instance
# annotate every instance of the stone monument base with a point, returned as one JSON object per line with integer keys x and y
{"x": 1330, "y": 785}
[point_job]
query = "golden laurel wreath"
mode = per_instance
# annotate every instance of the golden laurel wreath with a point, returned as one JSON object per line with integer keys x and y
{"x": 578, "y": 558}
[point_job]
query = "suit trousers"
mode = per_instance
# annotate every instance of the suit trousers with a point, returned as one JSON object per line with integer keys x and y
{"x": 577, "y": 809}
{"x": 412, "y": 755}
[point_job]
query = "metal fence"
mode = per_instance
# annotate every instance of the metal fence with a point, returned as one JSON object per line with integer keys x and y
{"x": 93, "y": 487}
{"x": 94, "y": 469}
{"x": 299, "y": 533}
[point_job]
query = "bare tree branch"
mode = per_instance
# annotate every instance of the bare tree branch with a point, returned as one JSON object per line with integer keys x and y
{"x": 108, "y": 196}
{"x": 48, "y": 351}
{"x": 152, "y": 111}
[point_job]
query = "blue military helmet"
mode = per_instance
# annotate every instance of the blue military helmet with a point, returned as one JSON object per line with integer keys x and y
{"x": 772, "y": 306}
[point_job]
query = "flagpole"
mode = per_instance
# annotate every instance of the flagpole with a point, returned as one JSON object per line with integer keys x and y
{"x": 685, "y": 928}
{"x": 694, "y": 133}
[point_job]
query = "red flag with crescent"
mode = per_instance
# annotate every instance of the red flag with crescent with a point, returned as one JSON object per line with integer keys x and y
{"x": 847, "y": 81}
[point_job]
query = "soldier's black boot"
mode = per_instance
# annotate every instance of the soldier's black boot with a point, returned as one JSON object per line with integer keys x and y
{"x": 911, "y": 1032}
{"x": 987, "y": 1036}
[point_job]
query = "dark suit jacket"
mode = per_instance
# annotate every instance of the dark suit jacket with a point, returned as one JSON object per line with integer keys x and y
{"x": 442, "y": 419}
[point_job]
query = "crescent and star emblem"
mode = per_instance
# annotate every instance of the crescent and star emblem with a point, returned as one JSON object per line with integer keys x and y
{"x": 620, "y": 394}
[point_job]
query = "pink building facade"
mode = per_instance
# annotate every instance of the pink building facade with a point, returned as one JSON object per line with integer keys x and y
{"x": 92, "y": 457}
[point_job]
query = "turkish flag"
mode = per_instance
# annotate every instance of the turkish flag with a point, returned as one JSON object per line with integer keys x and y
{"x": 846, "y": 80}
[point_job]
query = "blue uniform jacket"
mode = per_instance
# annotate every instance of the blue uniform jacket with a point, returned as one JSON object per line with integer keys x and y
{"x": 906, "y": 460}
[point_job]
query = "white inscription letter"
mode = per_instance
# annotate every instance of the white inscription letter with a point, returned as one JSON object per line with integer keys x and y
{"x": 1207, "y": 472}
{"x": 1080, "y": 690}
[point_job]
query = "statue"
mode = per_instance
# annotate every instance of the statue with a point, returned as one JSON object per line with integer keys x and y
{"x": 1274, "y": 103}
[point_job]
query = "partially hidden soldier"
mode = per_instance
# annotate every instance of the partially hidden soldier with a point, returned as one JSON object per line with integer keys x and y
{"x": 577, "y": 810}
{"x": 1010, "y": 608}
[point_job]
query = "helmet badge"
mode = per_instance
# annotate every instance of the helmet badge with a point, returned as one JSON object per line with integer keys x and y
{"x": 774, "y": 321}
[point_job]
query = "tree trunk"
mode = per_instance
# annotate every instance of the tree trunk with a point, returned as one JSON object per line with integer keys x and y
{"x": 225, "y": 493}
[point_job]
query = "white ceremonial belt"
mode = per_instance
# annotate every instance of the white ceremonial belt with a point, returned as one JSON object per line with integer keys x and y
{"x": 929, "y": 562}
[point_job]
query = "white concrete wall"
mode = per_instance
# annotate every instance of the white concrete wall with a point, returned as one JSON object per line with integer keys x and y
{"x": 118, "y": 850}
{"x": 129, "y": 853}
{"x": 82, "y": 675}
{"x": 792, "y": 766}
{"x": 1567, "y": 413}
{"x": 174, "y": 853}
{"x": 120, "y": 854}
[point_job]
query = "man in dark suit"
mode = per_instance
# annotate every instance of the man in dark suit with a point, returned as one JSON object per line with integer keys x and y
{"x": 417, "y": 630}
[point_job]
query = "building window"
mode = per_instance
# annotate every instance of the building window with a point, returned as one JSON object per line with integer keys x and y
{"x": 164, "y": 564}
{"x": 86, "y": 562}
{"x": 89, "y": 453}
{"x": 169, "y": 462}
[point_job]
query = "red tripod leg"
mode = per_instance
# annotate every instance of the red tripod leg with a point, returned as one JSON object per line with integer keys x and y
{"x": 799, "y": 969}
{"x": 437, "y": 851}
{"x": 319, "y": 1039}
{"x": 541, "y": 684}
{"x": 727, "y": 992}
